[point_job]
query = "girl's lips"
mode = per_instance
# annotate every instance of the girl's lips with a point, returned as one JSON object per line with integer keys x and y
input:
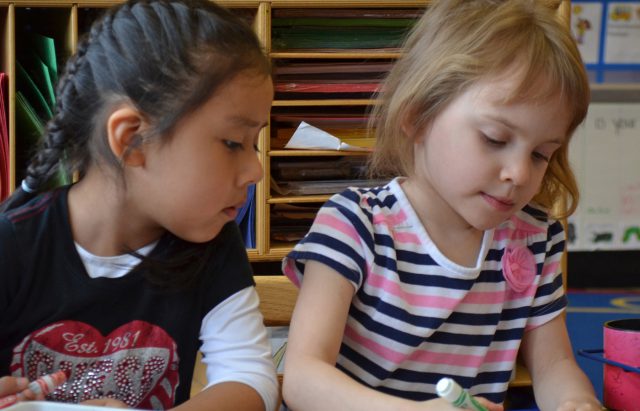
{"x": 231, "y": 212}
{"x": 497, "y": 203}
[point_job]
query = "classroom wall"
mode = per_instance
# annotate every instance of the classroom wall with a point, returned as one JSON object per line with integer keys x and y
{"x": 606, "y": 156}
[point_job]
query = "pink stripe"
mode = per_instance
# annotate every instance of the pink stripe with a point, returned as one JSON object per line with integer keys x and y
{"x": 459, "y": 360}
{"x": 290, "y": 272}
{"x": 442, "y": 302}
{"x": 501, "y": 355}
{"x": 429, "y": 357}
{"x": 522, "y": 225}
{"x": 485, "y": 297}
{"x": 550, "y": 268}
{"x": 462, "y": 360}
{"x": 339, "y": 225}
{"x": 420, "y": 300}
{"x": 379, "y": 349}
{"x": 501, "y": 234}
{"x": 406, "y": 238}
{"x": 518, "y": 230}
{"x": 391, "y": 219}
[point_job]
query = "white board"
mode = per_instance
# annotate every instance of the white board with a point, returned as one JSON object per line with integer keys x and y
{"x": 605, "y": 155}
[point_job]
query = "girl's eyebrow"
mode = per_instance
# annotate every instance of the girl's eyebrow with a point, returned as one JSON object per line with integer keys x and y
{"x": 503, "y": 120}
{"x": 247, "y": 122}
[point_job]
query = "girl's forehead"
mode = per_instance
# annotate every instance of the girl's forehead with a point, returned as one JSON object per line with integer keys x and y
{"x": 516, "y": 86}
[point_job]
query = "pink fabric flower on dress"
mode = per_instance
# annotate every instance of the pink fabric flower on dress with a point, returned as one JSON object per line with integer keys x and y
{"x": 519, "y": 267}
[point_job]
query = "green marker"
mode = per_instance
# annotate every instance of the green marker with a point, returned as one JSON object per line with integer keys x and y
{"x": 457, "y": 396}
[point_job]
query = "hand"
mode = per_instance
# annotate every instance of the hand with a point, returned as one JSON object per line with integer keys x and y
{"x": 12, "y": 385}
{"x": 491, "y": 406}
{"x": 443, "y": 404}
{"x": 18, "y": 386}
{"x": 583, "y": 404}
{"x": 106, "y": 402}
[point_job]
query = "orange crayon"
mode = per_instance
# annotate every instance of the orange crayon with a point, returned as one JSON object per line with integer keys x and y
{"x": 43, "y": 385}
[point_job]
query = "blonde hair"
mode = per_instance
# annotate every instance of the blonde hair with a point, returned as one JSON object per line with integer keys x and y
{"x": 459, "y": 42}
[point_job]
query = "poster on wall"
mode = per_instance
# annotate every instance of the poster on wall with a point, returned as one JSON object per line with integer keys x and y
{"x": 605, "y": 155}
{"x": 622, "y": 33}
{"x": 607, "y": 33}
{"x": 586, "y": 26}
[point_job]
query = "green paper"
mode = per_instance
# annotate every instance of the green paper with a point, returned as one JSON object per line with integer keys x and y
{"x": 31, "y": 93}
{"x": 43, "y": 77}
{"x": 46, "y": 50}
{"x": 29, "y": 126}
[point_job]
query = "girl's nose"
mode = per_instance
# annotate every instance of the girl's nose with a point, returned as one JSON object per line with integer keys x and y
{"x": 516, "y": 171}
{"x": 252, "y": 171}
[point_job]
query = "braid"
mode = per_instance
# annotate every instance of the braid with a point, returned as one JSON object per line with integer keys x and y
{"x": 56, "y": 142}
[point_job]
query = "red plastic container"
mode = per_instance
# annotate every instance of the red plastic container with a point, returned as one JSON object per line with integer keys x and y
{"x": 622, "y": 345}
{"x": 621, "y": 358}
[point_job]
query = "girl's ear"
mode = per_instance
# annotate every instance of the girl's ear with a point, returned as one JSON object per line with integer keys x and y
{"x": 413, "y": 128}
{"x": 124, "y": 126}
{"x": 408, "y": 125}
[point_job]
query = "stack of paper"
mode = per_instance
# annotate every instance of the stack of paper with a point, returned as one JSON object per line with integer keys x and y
{"x": 290, "y": 222}
{"x": 353, "y": 79}
{"x": 345, "y": 29}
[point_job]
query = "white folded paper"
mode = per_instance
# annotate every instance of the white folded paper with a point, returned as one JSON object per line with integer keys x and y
{"x": 309, "y": 137}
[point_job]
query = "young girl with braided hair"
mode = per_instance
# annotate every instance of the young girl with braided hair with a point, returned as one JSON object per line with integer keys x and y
{"x": 452, "y": 269}
{"x": 122, "y": 277}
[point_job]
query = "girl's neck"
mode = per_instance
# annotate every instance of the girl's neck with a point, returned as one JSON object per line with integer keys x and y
{"x": 101, "y": 220}
{"x": 455, "y": 238}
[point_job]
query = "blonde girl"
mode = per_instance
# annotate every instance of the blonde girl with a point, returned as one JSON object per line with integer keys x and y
{"x": 453, "y": 268}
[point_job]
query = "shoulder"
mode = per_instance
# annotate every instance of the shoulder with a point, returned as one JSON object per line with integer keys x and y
{"x": 36, "y": 207}
{"x": 345, "y": 232}
{"x": 367, "y": 197}
{"x": 24, "y": 225}
{"x": 24, "y": 233}
{"x": 372, "y": 203}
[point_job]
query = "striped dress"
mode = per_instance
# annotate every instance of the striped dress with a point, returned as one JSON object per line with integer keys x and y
{"x": 416, "y": 316}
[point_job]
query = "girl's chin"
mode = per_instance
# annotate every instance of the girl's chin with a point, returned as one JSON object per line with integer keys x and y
{"x": 202, "y": 234}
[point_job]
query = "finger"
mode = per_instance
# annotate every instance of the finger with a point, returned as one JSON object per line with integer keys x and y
{"x": 490, "y": 406}
{"x": 12, "y": 385}
{"x": 28, "y": 395}
{"x": 106, "y": 402}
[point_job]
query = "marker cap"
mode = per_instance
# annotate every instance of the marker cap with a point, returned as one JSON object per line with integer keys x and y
{"x": 448, "y": 389}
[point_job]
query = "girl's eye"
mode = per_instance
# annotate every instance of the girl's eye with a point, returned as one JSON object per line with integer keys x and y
{"x": 493, "y": 141}
{"x": 541, "y": 157}
{"x": 232, "y": 145}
